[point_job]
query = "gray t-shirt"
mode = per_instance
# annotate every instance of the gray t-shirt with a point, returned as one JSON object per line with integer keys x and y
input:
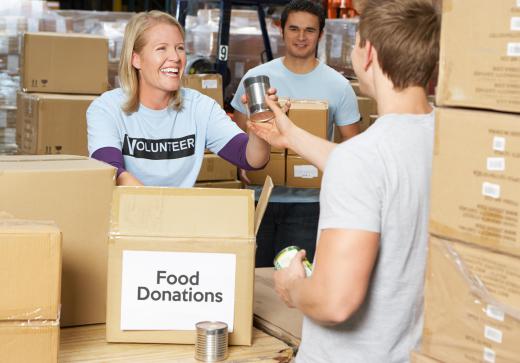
{"x": 379, "y": 181}
{"x": 322, "y": 83}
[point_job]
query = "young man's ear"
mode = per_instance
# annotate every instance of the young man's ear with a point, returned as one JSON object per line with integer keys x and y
{"x": 136, "y": 60}
{"x": 369, "y": 55}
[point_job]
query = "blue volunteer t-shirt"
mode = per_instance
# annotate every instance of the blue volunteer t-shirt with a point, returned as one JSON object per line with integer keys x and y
{"x": 322, "y": 83}
{"x": 160, "y": 147}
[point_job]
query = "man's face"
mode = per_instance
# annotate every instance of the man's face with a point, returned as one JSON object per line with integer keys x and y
{"x": 301, "y": 34}
{"x": 358, "y": 57}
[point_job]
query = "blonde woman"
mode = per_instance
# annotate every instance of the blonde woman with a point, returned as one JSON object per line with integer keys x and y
{"x": 152, "y": 130}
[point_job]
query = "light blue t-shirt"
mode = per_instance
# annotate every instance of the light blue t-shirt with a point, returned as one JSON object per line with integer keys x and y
{"x": 160, "y": 147}
{"x": 322, "y": 83}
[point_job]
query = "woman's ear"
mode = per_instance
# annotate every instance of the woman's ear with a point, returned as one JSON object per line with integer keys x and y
{"x": 136, "y": 60}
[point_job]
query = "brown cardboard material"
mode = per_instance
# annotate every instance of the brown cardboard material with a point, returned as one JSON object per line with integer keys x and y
{"x": 475, "y": 180}
{"x": 368, "y": 112}
{"x": 215, "y": 168}
{"x": 64, "y": 63}
{"x": 35, "y": 342}
{"x": 52, "y": 123}
{"x": 275, "y": 168}
{"x": 302, "y": 174}
{"x": 367, "y": 108}
{"x": 479, "y": 68}
{"x": 232, "y": 184}
{"x": 416, "y": 357}
{"x": 207, "y": 84}
{"x": 312, "y": 116}
{"x": 30, "y": 282}
{"x": 76, "y": 193}
{"x": 271, "y": 313}
{"x": 472, "y": 300}
{"x": 185, "y": 220}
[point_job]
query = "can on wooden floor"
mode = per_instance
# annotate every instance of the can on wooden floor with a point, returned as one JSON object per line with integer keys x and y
{"x": 211, "y": 344}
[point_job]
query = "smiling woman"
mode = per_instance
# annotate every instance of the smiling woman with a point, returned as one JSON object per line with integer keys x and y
{"x": 153, "y": 130}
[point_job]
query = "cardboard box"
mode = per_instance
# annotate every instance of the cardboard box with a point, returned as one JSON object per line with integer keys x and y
{"x": 472, "y": 298}
{"x": 368, "y": 112}
{"x": 416, "y": 357}
{"x": 475, "y": 180}
{"x": 271, "y": 313}
{"x": 30, "y": 282}
{"x": 52, "y": 123}
{"x": 312, "y": 116}
{"x": 207, "y": 235}
{"x": 207, "y": 84}
{"x": 232, "y": 184}
{"x": 215, "y": 168}
{"x": 64, "y": 63}
{"x": 34, "y": 342}
{"x": 479, "y": 68}
{"x": 76, "y": 193}
{"x": 302, "y": 174}
{"x": 275, "y": 168}
{"x": 367, "y": 109}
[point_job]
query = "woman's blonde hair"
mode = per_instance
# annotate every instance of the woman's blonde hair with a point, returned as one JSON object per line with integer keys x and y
{"x": 134, "y": 41}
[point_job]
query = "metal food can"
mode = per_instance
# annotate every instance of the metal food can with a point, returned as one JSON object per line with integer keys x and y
{"x": 284, "y": 257}
{"x": 256, "y": 89}
{"x": 211, "y": 344}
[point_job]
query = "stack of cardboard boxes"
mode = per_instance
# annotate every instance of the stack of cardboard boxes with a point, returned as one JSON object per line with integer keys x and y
{"x": 215, "y": 172}
{"x": 75, "y": 193}
{"x": 61, "y": 75}
{"x": 30, "y": 289}
{"x": 472, "y": 293}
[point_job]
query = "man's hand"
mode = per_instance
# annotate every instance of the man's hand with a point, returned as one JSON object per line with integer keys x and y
{"x": 276, "y": 132}
{"x": 284, "y": 278}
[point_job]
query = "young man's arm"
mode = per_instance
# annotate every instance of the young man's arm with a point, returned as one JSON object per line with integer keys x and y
{"x": 283, "y": 133}
{"x": 343, "y": 265}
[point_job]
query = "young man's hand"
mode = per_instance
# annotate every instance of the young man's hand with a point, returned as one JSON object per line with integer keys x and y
{"x": 284, "y": 278}
{"x": 277, "y": 131}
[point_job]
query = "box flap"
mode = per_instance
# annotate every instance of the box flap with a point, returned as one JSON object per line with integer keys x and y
{"x": 38, "y": 163}
{"x": 35, "y": 158}
{"x": 178, "y": 212}
{"x": 262, "y": 202}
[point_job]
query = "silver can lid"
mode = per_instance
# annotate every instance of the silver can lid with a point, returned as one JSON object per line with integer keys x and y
{"x": 211, "y": 327}
{"x": 256, "y": 79}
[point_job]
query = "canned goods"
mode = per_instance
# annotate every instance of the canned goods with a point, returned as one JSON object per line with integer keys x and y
{"x": 212, "y": 341}
{"x": 256, "y": 87}
{"x": 285, "y": 256}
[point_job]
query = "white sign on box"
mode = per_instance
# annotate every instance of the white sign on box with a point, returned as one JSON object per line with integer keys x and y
{"x": 176, "y": 290}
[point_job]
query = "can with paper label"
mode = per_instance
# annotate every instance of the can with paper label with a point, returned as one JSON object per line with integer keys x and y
{"x": 284, "y": 257}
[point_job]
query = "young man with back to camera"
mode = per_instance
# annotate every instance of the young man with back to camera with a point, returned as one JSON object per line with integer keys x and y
{"x": 292, "y": 214}
{"x": 363, "y": 302}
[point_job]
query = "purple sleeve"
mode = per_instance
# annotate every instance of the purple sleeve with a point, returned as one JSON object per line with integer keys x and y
{"x": 112, "y": 156}
{"x": 235, "y": 152}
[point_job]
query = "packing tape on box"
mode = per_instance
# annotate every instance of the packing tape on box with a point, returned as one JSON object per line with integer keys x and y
{"x": 477, "y": 286}
{"x": 29, "y": 323}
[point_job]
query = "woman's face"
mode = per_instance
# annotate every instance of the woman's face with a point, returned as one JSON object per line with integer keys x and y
{"x": 162, "y": 60}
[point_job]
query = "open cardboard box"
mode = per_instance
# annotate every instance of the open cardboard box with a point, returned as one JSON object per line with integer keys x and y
{"x": 159, "y": 235}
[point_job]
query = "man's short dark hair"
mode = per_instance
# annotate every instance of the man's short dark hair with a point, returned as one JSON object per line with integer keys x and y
{"x": 308, "y": 6}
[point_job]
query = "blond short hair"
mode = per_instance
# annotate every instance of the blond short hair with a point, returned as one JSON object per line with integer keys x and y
{"x": 134, "y": 41}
